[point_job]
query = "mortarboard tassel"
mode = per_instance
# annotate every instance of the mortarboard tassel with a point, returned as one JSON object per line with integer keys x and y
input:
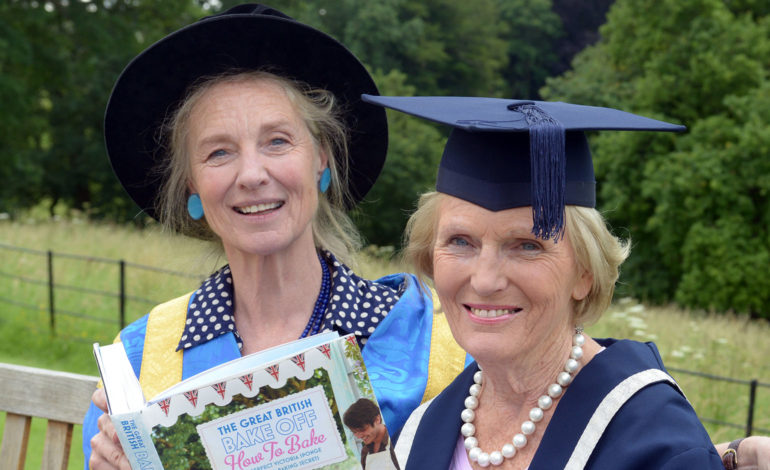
{"x": 548, "y": 163}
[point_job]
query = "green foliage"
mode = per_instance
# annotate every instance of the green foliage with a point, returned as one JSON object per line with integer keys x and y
{"x": 531, "y": 32}
{"x": 489, "y": 47}
{"x": 59, "y": 61}
{"x": 696, "y": 205}
{"x": 58, "y": 64}
{"x": 414, "y": 151}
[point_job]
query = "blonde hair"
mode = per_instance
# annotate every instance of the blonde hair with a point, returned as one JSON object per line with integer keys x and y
{"x": 332, "y": 228}
{"x": 596, "y": 249}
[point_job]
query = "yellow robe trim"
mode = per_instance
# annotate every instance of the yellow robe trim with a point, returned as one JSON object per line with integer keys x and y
{"x": 447, "y": 358}
{"x": 161, "y": 363}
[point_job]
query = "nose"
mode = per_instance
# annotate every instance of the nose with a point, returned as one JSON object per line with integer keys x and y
{"x": 252, "y": 171}
{"x": 488, "y": 276}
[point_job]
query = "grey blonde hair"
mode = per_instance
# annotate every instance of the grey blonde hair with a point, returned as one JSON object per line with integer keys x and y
{"x": 597, "y": 251}
{"x": 332, "y": 228}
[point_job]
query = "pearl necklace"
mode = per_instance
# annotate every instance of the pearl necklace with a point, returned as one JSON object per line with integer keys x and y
{"x": 536, "y": 414}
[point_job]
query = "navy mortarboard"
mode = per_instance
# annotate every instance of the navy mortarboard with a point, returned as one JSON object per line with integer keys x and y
{"x": 510, "y": 153}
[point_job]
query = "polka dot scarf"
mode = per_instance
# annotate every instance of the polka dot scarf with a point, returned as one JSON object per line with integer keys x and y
{"x": 356, "y": 306}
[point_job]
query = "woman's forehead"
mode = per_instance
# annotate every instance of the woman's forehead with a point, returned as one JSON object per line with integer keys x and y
{"x": 263, "y": 103}
{"x": 457, "y": 212}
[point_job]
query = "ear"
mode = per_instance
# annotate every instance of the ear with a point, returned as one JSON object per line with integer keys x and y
{"x": 191, "y": 187}
{"x": 583, "y": 285}
{"x": 324, "y": 162}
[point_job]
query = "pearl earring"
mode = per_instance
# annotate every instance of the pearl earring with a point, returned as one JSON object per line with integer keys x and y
{"x": 195, "y": 207}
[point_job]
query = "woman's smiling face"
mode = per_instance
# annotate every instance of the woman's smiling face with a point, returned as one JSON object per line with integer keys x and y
{"x": 255, "y": 166}
{"x": 504, "y": 291}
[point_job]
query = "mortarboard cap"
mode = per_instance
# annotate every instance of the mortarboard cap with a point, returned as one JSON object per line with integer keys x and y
{"x": 511, "y": 153}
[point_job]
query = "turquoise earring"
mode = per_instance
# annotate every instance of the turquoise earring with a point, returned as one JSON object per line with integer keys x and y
{"x": 325, "y": 181}
{"x": 195, "y": 207}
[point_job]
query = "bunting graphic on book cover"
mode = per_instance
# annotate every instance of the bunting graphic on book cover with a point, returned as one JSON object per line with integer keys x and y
{"x": 326, "y": 350}
{"x": 192, "y": 397}
{"x": 220, "y": 388}
{"x": 299, "y": 360}
{"x": 247, "y": 380}
{"x": 273, "y": 370}
{"x": 165, "y": 405}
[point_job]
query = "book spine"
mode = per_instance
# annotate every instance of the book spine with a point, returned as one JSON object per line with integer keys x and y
{"x": 136, "y": 441}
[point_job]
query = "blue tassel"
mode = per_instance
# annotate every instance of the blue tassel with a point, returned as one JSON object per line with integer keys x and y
{"x": 548, "y": 163}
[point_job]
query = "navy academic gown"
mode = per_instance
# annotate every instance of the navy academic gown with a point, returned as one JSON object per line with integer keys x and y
{"x": 656, "y": 429}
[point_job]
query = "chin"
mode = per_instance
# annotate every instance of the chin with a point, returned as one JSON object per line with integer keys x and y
{"x": 262, "y": 244}
{"x": 481, "y": 345}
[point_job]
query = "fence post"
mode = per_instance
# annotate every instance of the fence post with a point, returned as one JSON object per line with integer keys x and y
{"x": 752, "y": 398}
{"x": 122, "y": 301}
{"x": 51, "y": 308}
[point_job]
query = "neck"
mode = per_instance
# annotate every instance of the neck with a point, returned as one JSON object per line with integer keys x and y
{"x": 379, "y": 438}
{"x": 274, "y": 295}
{"x": 521, "y": 380}
{"x": 509, "y": 393}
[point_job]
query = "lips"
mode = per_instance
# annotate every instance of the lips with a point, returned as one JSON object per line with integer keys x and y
{"x": 258, "y": 208}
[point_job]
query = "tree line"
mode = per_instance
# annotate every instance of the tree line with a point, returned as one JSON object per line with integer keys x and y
{"x": 695, "y": 205}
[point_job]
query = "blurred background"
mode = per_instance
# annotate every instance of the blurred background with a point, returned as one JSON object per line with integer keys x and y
{"x": 695, "y": 205}
{"x": 78, "y": 258}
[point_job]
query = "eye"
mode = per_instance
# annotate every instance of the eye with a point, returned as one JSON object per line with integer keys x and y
{"x": 218, "y": 153}
{"x": 458, "y": 241}
{"x": 529, "y": 246}
{"x": 278, "y": 144}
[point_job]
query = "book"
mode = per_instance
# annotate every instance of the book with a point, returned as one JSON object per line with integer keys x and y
{"x": 277, "y": 409}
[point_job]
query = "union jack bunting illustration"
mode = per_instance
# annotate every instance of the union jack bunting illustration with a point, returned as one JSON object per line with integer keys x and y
{"x": 247, "y": 380}
{"x": 192, "y": 397}
{"x": 165, "y": 405}
{"x": 220, "y": 388}
{"x": 299, "y": 360}
{"x": 326, "y": 350}
{"x": 273, "y": 370}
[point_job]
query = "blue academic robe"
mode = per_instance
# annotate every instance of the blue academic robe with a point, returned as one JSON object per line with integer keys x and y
{"x": 656, "y": 429}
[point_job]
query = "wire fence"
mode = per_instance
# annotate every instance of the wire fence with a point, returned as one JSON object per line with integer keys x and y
{"x": 121, "y": 294}
{"x": 752, "y": 385}
{"x": 54, "y": 286}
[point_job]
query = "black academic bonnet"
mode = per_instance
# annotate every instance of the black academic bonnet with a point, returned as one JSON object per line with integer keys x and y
{"x": 246, "y": 37}
{"x": 503, "y": 153}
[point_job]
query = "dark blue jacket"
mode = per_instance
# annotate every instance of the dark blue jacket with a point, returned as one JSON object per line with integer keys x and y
{"x": 655, "y": 429}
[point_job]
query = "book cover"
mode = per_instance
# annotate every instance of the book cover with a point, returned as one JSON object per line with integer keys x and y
{"x": 278, "y": 409}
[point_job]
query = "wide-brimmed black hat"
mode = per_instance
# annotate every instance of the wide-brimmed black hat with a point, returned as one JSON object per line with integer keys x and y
{"x": 246, "y": 37}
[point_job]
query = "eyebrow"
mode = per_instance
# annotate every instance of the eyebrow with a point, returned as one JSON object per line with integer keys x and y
{"x": 277, "y": 124}
{"x": 212, "y": 139}
{"x": 462, "y": 227}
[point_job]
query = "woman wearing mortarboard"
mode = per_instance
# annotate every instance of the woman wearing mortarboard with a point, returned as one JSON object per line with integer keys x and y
{"x": 521, "y": 260}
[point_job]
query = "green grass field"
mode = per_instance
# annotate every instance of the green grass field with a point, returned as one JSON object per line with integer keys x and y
{"x": 722, "y": 345}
